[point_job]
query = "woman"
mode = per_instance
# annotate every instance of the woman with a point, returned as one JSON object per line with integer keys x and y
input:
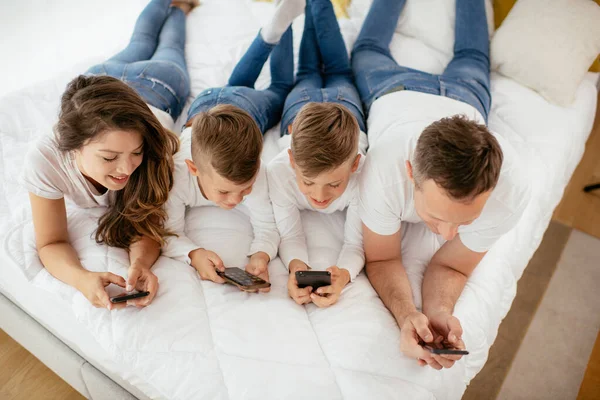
{"x": 111, "y": 150}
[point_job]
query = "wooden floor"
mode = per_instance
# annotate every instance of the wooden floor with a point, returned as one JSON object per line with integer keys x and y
{"x": 24, "y": 377}
{"x": 577, "y": 209}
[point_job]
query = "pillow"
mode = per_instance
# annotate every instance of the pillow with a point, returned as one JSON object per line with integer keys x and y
{"x": 548, "y": 46}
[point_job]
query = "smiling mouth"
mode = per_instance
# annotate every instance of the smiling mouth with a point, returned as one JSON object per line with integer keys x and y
{"x": 119, "y": 179}
{"x": 321, "y": 203}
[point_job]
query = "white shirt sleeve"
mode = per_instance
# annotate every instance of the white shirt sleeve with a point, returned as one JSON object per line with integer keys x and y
{"x": 289, "y": 223}
{"x": 178, "y": 247}
{"x": 266, "y": 237}
{"x": 374, "y": 209}
{"x": 43, "y": 175}
{"x": 352, "y": 256}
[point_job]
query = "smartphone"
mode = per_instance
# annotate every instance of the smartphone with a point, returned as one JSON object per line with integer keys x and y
{"x": 446, "y": 349}
{"x": 125, "y": 297}
{"x": 243, "y": 279}
{"x": 314, "y": 279}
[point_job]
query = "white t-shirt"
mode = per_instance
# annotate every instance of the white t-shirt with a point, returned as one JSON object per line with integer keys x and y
{"x": 288, "y": 200}
{"x": 163, "y": 117}
{"x": 51, "y": 174}
{"x": 186, "y": 193}
{"x": 395, "y": 123}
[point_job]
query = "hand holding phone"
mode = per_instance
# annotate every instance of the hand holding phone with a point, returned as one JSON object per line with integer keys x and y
{"x": 326, "y": 296}
{"x": 128, "y": 296}
{"x": 207, "y": 263}
{"x": 314, "y": 279}
{"x": 242, "y": 279}
{"x": 443, "y": 348}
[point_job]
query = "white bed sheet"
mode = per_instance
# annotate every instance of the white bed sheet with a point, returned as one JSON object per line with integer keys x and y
{"x": 199, "y": 340}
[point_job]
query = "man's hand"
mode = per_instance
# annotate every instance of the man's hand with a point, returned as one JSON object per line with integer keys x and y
{"x": 142, "y": 279}
{"x": 300, "y": 296}
{"x": 448, "y": 327}
{"x": 259, "y": 266}
{"x": 93, "y": 286}
{"x": 207, "y": 263}
{"x": 328, "y": 295}
{"x": 418, "y": 328}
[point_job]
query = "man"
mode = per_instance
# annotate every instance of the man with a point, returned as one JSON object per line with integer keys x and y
{"x": 431, "y": 160}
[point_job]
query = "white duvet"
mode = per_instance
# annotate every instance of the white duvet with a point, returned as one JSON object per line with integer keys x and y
{"x": 199, "y": 340}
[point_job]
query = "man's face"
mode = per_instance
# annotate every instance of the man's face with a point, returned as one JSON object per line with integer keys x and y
{"x": 325, "y": 188}
{"x": 443, "y": 214}
{"x": 224, "y": 193}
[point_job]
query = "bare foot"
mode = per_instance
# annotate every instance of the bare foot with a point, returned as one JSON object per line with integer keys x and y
{"x": 185, "y": 6}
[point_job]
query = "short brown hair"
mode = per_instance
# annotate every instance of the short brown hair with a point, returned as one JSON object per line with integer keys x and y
{"x": 461, "y": 156}
{"x": 228, "y": 138}
{"x": 324, "y": 136}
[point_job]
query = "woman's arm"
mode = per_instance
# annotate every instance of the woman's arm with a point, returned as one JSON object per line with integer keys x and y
{"x": 59, "y": 257}
{"x": 142, "y": 256}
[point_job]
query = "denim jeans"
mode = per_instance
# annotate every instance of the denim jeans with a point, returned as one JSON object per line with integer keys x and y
{"x": 153, "y": 63}
{"x": 264, "y": 106}
{"x": 466, "y": 78}
{"x": 324, "y": 72}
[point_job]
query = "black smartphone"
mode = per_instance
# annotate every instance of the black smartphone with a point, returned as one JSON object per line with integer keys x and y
{"x": 125, "y": 297}
{"x": 314, "y": 279}
{"x": 243, "y": 279}
{"x": 446, "y": 349}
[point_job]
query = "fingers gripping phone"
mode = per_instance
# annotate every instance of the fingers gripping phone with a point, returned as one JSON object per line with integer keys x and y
{"x": 125, "y": 297}
{"x": 243, "y": 279}
{"x": 443, "y": 348}
{"x": 314, "y": 279}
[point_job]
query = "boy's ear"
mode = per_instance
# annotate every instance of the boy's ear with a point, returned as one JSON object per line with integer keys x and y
{"x": 289, "y": 129}
{"x": 356, "y": 163}
{"x": 192, "y": 167}
{"x": 291, "y": 157}
{"x": 409, "y": 171}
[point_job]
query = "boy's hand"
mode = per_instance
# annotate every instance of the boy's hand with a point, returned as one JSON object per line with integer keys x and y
{"x": 300, "y": 296}
{"x": 326, "y": 296}
{"x": 207, "y": 263}
{"x": 259, "y": 266}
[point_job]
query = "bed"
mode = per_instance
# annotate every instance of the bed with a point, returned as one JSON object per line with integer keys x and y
{"x": 199, "y": 340}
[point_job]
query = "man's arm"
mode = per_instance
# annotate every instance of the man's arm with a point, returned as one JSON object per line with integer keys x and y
{"x": 446, "y": 276}
{"x": 387, "y": 275}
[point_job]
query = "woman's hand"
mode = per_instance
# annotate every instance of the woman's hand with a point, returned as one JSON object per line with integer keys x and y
{"x": 141, "y": 279}
{"x": 93, "y": 286}
{"x": 326, "y": 296}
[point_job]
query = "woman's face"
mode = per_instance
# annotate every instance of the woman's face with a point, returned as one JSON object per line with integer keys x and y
{"x": 110, "y": 158}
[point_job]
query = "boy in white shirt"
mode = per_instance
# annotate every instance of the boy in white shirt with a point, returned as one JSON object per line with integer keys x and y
{"x": 310, "y": 176}
{"x": 219, "y": 161}
{"x": 324, "y": 115}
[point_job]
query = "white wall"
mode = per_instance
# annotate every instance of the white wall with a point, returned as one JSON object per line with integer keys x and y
{"x": 39, "y": 38}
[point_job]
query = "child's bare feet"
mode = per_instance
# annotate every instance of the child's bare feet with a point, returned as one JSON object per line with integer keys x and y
{"x": 185, "y": 5}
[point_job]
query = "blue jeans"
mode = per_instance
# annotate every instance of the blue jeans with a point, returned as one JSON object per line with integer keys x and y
{"x": 466, "y": 78}
{"x": 324, "y": 72}
{"x": 264, "y": 106}
{"x": 153, "y": 63}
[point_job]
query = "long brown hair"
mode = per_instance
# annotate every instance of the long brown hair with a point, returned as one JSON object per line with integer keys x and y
{"x": 90, "y": 106}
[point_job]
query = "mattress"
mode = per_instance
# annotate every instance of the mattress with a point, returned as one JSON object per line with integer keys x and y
{"x": 199, "y": 340}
